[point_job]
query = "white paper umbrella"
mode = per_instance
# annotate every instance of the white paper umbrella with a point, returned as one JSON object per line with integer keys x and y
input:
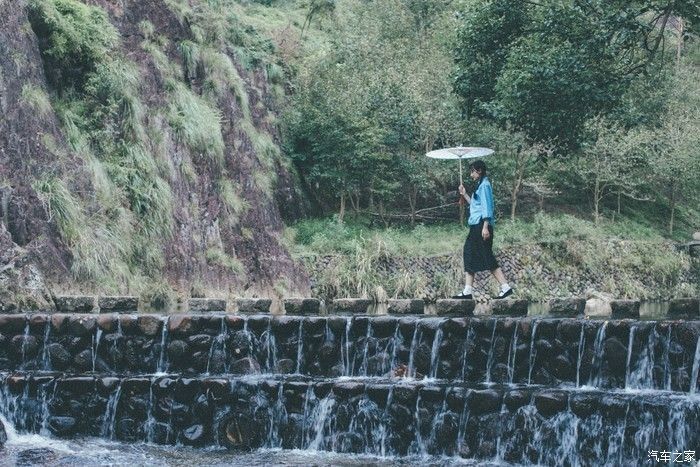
{"x": 459, "y": 153}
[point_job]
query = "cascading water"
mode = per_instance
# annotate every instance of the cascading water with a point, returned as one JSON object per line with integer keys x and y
{"x": 435, "y": 353}
{"x": 598, "y": 349}
{"x": 490, "y": 357}
{"x": 695, "y": 369}
{"x": 466, "y": 406}
{"x": 162, "y": 358}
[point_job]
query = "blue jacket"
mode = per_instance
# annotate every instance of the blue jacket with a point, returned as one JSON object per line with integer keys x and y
{"x": 481, "y": 206}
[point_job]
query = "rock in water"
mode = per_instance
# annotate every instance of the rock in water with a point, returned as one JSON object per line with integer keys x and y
{"x": 3, "y": 434}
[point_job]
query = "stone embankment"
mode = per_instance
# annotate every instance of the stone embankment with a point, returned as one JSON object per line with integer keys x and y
{"x": 540, "y": 271}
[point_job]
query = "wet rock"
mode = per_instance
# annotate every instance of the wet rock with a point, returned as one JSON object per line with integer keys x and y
{"x": 484, "y": 401}
{"x": 569, "y": 330}
{"x": 583, "y": 404}
{"x": 570, "y": 307}
{"x": 616, "y": 355}
{"x": 286, "y": 366}
{"x": 62, "y": 426}
{"x": 348, "y": 389}
{"x": 81, "y": 326}
{"x": 356, "y": 306}
{"x": 200, "y": 341}
{"x": 25, "y": 344}
{"x": 59, "y": 357}
{"x": 3, "y": 435}
{"x": 550, "y": 403}
{"x": 406, "y": 307}
{"x": 83, "y": 361}
{"x": 453, "y": 307}
{"x": 193, "y": 435}
{"x": 183, "y": 325}
{"x": 240, "y": 432}
{"x": 107, "y": 322}
{"x": 245, "y": 366}
{"x": 509, "y": 307}
{"x": 13, "y": 324}
{"x": 206, "y": 305}
{"x": 149, "y": 325}
{"x": 178, "y": 350}
{"x": 621, "y": 309}
{"x": 241, "y": 344}
{"x": 302, "y": 306}
{"x": 118, "y": 304}
{"x": 684, "y": 308}
{"x": 75, "y": 304}
{"x": 36, "y": 456}
{"x": 253, "y": 305}
{"x": 516, "y": 399}
{"x": 562, "y": 368}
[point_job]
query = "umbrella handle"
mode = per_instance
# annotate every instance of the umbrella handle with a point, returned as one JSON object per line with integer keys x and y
{"x": 460, "y": 171}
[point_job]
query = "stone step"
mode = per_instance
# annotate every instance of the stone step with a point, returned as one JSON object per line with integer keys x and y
{"x": 522, "y": 425}
{"x": 556, "y": 351}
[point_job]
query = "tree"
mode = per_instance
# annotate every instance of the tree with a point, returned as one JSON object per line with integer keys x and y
{"x": 548, "y": 66}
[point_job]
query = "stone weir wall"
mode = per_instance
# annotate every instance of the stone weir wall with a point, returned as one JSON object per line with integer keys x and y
{"x": 524, "y": 425}
{"x": 621, "y": 354}
{"x": 527, "y": 390}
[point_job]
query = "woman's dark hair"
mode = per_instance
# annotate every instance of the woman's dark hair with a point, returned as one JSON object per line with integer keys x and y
{"x": 479, "y": 166}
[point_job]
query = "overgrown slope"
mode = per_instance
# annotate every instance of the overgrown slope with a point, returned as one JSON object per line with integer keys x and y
{"x": 139, "y": 147}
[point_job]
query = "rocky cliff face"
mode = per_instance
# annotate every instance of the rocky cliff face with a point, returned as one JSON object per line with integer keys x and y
{"x": 145, "y": 153}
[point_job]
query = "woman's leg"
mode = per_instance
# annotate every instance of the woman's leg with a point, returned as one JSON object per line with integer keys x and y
{"x": 468, "y": 282}
{"x": 501, "y": 278}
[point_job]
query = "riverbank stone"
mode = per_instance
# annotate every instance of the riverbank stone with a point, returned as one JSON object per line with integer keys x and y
{"x": 252, "y": 305}
{"x": 302, "y": 306}
{"x": 684, "y": 308}
{"x": 75, "y": 303}
{"x": 355, "y": 306}
{"x": 509, "y": 307}
{"x": 406, "y": 307}
{"x": 455, "y": 307}
{"x": 118, "y": 304}
{"x": 569, "y": 307}
{"x": 206, "y": 305}
{"x": 621, "y": 309}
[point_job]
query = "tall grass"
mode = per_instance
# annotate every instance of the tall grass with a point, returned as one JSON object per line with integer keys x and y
{"x": 196, "y": 123}
{"x": 36, "y": 99}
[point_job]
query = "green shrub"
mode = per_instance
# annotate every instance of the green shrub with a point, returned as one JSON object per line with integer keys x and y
{"x": 196, "y": 123}
{"x": 36, "y": 99}
{"x": 73, "y": 38}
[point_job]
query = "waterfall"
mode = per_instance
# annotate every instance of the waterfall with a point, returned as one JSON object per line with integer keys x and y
{"x": 411, "y": 371}
{"x": 110, "y": 416}
{"x": 45, "y": 359}
{"x": 321, "y": 422}
{"x": 347, "y": 367}
{"x": 150, "y": 425}
{"x": 491, "y": 356}
{"x": 25, "y": 338}
{"x": 598, "y": 350}
{"x": 630, "y": 345}
{"x": 667, "y": 364}
{"x": 300, "y": 346}
{"x": 270, "y": 349}
{"x": 368, "y": 335}
{"x": 417, "y": 446}
{"x": 581, "y": 346}
{"x": 532, "y": 355}
{"x": 641, "y": 375}
{"x": 95, "y": 345}
{"x": 395, "y": 342}
{"x": 435, "y": 353}
{"x": 162, "y": 359}
{"x": 696, "y": 368}
{"x": 512, "y": 354}
{"x": 468, "y": 337}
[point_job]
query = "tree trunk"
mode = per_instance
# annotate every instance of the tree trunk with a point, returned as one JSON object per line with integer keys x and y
{"x": 596, "y": 200}
{"x": 341, "y": 214}
{"x": 412, "y": 196}
{"x": 382, "y": 213}
{"x": 673, "y": 209}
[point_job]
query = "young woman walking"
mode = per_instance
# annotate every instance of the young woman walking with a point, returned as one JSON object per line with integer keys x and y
{"x": 478, "y": 248}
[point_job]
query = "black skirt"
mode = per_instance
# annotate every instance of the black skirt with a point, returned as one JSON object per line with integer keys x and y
{"x": 478, "y": 253}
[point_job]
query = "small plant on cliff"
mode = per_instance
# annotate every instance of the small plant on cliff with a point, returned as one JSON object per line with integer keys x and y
{"x": 73, "y": 39}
